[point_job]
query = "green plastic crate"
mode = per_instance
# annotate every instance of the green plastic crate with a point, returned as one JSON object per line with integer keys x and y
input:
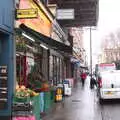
{"x": 23, "y": 100}
{"x": 36, "y": 106}
{"x": 52, "y": 94}
{"x": 47, "y": 101}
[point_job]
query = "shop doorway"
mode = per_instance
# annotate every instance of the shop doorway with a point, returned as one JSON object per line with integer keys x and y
{"x": 4, "y": 49}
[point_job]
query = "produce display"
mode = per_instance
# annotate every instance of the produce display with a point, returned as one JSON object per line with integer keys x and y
{"x": 23, "y": 92}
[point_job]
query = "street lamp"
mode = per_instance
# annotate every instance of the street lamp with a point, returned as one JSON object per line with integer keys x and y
{"x": 91, "y": 52}
{"x": 91, "y": 49}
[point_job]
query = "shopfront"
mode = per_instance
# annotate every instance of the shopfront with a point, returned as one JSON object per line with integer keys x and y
{"x": 33, "y": 15}
{"x": 52, "y": 55}
{"x": 39, "y": 57}
{"x": 45, "y": 24}
{"x": 31, "y": 59}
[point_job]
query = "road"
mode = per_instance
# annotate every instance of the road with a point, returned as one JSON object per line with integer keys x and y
{"x": 84, "y": 105}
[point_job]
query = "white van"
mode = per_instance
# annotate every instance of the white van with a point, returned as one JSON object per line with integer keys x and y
{"x": 109, "y": 85}
{"x": 104, "y": 67}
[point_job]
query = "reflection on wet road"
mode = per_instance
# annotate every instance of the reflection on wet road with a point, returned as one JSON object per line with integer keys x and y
{"x": 84, "y": 105}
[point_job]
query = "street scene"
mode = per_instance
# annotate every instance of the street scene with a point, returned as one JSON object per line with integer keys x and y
{"x": 84, "y": 105}
{"x": 59, "y": 60}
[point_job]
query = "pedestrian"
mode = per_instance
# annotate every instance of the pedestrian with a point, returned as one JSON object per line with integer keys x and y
{"x": 83, "y": 77}
{"x": 92, "y": 82}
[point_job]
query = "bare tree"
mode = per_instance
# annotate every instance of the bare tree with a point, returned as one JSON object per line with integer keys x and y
{"x": 111, "y": 46}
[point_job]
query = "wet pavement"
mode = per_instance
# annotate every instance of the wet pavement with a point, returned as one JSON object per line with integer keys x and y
{"x": 84, "y": 105}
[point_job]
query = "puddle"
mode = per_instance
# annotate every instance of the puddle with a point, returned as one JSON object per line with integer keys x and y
{"x": 76, "y": 100}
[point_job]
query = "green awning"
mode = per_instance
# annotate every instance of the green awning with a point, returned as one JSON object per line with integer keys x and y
{"x": 46, "y": 40}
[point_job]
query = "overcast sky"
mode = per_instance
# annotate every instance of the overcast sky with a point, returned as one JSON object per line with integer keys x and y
{"x": 109, "y": 21}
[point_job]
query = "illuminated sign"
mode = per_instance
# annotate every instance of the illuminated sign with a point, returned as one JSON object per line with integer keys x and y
{"x": 26, "y": 13}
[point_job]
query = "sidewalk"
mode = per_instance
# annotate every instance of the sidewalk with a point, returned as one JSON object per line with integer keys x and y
{"x": 82, "y": 105}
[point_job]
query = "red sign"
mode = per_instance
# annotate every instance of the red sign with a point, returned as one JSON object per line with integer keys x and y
{"x": 104, "y": 64}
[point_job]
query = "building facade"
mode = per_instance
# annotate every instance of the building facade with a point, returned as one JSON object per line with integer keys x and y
{"x": 46, "y": 32}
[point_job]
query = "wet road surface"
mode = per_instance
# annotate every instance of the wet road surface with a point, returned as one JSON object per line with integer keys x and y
{"x": 84, "y": 105}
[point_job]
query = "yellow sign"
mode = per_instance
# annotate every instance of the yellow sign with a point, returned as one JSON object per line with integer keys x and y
{"x": 40, "y": 24}
{"x": 26, "y": 13}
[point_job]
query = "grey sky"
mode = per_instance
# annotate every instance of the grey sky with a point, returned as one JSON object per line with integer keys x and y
{"x": 109, "y": 21}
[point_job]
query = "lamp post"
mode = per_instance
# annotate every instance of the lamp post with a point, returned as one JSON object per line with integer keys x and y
{"x": 91, "y": 52}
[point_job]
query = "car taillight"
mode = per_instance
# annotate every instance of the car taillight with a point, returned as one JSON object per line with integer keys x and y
{"x": 100, "y": 82}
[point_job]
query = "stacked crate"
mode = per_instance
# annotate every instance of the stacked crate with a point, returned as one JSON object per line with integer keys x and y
{"x": 47, "y": 101}
{"x": 22, "y": 107}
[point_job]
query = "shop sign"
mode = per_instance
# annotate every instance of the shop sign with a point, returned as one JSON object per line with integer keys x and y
{"x": 26, "y": 13}
{"x": 40, "y": 24}
{"x": 65, "y": 14}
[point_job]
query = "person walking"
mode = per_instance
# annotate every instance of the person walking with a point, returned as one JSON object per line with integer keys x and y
{"x": 93, "y": 82}
{"x": 83, "y": 77}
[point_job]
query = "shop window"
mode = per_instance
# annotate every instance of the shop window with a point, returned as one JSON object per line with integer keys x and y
{"x": 61, "y": 75}
{"x": 51, "y": 69}
{"x": 54, "y": 71}
{"x": 28, "y": 62}
{"x": 58, "y": 71}
{"x": 56, "y": 75}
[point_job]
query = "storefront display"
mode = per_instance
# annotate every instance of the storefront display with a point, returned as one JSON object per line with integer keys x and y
{"x": 26, "y": 104}
{"x": 23, "y": 92}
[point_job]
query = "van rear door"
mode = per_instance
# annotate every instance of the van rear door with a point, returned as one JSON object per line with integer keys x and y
{"x": 111, "y": 79}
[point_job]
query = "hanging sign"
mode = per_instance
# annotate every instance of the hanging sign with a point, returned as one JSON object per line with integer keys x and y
{"x": 26, "y": 13}
{"x": 65, "y": 14}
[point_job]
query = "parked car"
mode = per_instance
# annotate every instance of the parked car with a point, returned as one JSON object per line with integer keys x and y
{"x": 109, "y": 85}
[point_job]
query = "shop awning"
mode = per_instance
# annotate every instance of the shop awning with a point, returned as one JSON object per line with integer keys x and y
{"x": 46, "y": 40}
